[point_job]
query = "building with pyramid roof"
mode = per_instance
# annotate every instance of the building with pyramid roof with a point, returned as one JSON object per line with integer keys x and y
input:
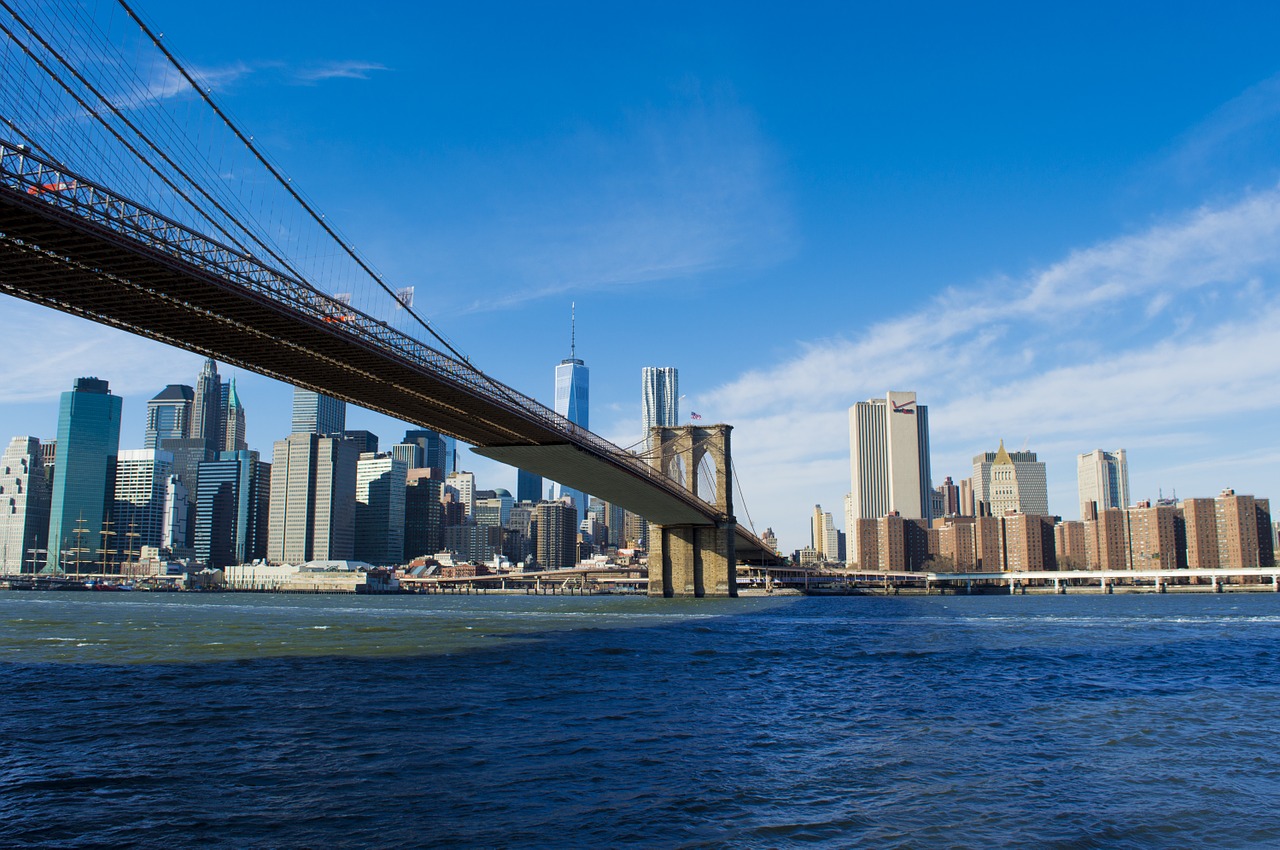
{"x": 1010, "y": 482}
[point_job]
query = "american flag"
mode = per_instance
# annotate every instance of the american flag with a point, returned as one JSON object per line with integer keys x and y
{"x": 693, "y": 415}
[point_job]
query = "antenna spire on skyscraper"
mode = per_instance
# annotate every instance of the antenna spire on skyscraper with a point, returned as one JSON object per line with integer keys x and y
{"x": 573, "y": 330}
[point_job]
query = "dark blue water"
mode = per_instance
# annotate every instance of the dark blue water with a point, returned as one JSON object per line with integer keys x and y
{"x": 267, "y": 721}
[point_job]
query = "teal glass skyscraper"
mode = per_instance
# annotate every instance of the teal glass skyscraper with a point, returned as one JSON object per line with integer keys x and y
{"x": 84, "y": 475}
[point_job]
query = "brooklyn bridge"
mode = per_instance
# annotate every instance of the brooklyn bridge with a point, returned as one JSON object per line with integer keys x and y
{"x": 117, "y": 205}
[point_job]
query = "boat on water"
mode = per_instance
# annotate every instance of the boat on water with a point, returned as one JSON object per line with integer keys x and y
{"x": 107, "y": 586}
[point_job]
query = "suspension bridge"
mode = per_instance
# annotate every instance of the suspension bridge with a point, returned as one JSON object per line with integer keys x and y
{"x": 129, "y": 197}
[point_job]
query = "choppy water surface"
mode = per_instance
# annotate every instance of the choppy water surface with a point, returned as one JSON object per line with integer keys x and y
{"x": 282, "y": 721}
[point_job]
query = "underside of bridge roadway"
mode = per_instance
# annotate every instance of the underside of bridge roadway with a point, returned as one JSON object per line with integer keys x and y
{"x": 52, "y": 257}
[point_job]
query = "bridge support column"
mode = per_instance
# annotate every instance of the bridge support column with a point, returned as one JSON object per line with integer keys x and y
{"x": 695, "y": 560}
{"x": 692, "y": 560}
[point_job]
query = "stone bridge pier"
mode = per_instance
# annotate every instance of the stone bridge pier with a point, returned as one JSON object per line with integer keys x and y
{"x": 694, "y": 560}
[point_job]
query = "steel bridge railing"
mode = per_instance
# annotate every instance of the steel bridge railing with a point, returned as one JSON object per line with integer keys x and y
{"x": 26, "y": 172}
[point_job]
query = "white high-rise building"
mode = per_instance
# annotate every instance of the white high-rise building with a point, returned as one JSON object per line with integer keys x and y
{"x": 889, "y": 449}
{"x": 826, "y": 540}
{"x": 660, "y": 397}
{"x": 24, "y": 507}
{"x": 889, "y": 459}
{"x": 177, "y": 500}
{"x": 144, "y": 514}
{"x": 1103, "y": 477}
{"x": 463, "y": 487}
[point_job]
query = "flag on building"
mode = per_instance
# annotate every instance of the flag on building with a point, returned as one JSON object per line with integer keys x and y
{"x": 693, "y": 415}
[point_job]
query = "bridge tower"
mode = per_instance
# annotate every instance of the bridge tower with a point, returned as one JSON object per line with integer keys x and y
{"x": 694, "y": 560}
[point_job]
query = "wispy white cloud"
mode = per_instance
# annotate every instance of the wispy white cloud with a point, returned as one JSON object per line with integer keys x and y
{"x": 1137, "y": 339}
{"x": 163, "y": 82}
{"x": 1252, "y": 116}
{"x": 349, "y": 69}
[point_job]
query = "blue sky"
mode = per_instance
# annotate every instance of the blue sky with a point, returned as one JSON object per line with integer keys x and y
{"x": 1059, "y": 226}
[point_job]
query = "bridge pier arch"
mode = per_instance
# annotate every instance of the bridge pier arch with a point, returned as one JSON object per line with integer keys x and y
{"x": 695, "y": 560}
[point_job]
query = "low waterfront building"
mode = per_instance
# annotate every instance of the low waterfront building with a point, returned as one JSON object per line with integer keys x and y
{"x": 258, "y": 576}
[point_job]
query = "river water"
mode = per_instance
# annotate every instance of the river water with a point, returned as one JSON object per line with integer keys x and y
{"x": 165, "y": 720}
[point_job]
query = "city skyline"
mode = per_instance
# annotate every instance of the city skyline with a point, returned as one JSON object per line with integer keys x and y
{"x": 1125, "y": 263}
{"x": 496, "y": 475}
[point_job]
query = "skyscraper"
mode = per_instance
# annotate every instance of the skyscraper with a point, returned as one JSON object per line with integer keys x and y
{"x": 313, "y": 496}
{"x": 380, "y": 508}
{"x": 889, "y": 456}
{"x": 147, "y": 497}
{"x": 1103, "y": 477}
{"x": 660, "y": 397}
{"x": 423, "y": 516}
{"x": 826, "y": 538}
{"x": 366, "y": 441}
{"x": 528, "y": 486}
{"x": 169, "y": 415}
{"x": 187, "y": 455}
{"x": 518, "y": 539}
{"x": 234, "y": 436}
{"x": 24, "y": 507}
{"x": 206, "y": 407}
{"x": 573, "y": 381}
{"x": 84, "y": 478}
{"x": 230, "y": 506}
{"x": 410, "y": 453}
{"x": 557, "y": 536}
{"x": 314, "y": 413}
{"x": 1011, "y": 482}
{"x": 463, "y": 486}
{"x": 437, "y": 450}
{"x": 950, "y": 498}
